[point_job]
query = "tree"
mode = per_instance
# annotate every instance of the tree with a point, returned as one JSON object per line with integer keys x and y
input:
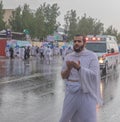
{"x": 67, "y": 23}
{"x": 118, "y": 37}
{"x": 70, "y": 23}
{"x": 111, "y": 31}
{"x": 15, "y": 20}
{"x": 28, "y": 19}
{"x": 50, "y": 15}
{"x": 39, "y": 23}
{"x": 2, "y": 23}
{"x": 84, "y": 26}
{"x": 89, "y": 25}
{"x": 22, "y": 18}
{"x": 98, "y": 27}
{"x": 45, "y": 20}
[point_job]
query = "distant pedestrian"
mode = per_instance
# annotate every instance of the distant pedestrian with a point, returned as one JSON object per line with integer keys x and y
{"x": 28, "y": 52}
{"x": 48, "y": 55}
{"x": 25, "y": 53}
{"x": 11, "y": 52}
{"x": 22, "y": 53}
{"x": 7, "y": 52}
{"x": 37, "y": 51}
{"x": 41, "y": 50}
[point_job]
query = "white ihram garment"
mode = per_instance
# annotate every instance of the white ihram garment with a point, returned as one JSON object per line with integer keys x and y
{"x": 81, "y": 97}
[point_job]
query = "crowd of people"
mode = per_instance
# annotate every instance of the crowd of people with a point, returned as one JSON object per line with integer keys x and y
{"x": 42, "y": 52}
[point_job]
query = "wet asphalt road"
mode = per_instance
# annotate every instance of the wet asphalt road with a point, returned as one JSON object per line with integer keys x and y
{"x": 33, "y": 91}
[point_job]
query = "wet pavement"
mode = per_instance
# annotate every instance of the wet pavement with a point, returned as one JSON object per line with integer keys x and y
{"x": 33, "y": 91}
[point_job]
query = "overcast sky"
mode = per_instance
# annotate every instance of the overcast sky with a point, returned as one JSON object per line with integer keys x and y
{"x": 107, "y": 11}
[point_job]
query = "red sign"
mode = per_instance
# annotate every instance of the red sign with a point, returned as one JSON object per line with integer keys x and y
{"x": 2, "y": 47}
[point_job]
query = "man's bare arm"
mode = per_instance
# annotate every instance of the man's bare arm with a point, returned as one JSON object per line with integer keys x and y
{"x": 65, "y": 74}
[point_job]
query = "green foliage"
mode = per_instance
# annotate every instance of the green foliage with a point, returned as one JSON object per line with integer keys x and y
{"x": 22, "y": 18}
{"x": 2, "y": 23}
{"x": 85, "y": 25}
{"x": 71, "y": 23}
{"x": 43, "y": 22}
{"x": 40, "y": 24}
{"x": 15, "y": 20}
{"x": 112, "y": 31}
{"x": 118, "y": 37}
{"x": 50, "y": 15}
{"x": 27, "y": 19}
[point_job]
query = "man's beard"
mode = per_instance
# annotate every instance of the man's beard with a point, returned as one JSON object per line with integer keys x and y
{"x": 77, "y": 50}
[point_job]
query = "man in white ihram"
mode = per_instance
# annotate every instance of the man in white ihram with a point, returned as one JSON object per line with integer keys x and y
{"x": 82, "y": 78}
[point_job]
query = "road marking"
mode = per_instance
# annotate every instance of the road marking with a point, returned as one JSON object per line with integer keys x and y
{"x": 27, "y": 77}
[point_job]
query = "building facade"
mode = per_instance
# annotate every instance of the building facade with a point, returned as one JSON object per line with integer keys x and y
{"x": 7, "y": 14}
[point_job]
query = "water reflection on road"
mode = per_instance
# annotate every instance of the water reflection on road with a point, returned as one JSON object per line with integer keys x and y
{"x": 35, "y": 92}
{"x": 16, "y": 68}
{"x": 110, "y": 89}
{"x": 109, "y": 85}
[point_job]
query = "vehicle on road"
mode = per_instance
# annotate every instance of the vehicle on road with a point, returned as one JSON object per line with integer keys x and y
{"x": 106, "y": 48}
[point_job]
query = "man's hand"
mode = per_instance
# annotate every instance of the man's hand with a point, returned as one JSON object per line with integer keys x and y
{"x": 76, "y": 65}
{"x": 65, "y": 74}
{"x": 69, "y": 65}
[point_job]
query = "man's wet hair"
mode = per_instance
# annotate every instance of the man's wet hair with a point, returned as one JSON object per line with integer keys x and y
{"x": 84, "y": 37}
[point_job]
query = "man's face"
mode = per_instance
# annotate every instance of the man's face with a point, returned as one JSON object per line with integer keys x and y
{"x": 78, "y": 44}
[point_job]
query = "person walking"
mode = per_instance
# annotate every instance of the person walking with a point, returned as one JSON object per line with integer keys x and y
{"x": 11, "y": 51}
{"x": 81, "y": 74}
{"x": 7, "y": 52}
{"x": 48, "y": 55}
{"x": 41, "y": 50}
{"x": 25, "y": 53}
